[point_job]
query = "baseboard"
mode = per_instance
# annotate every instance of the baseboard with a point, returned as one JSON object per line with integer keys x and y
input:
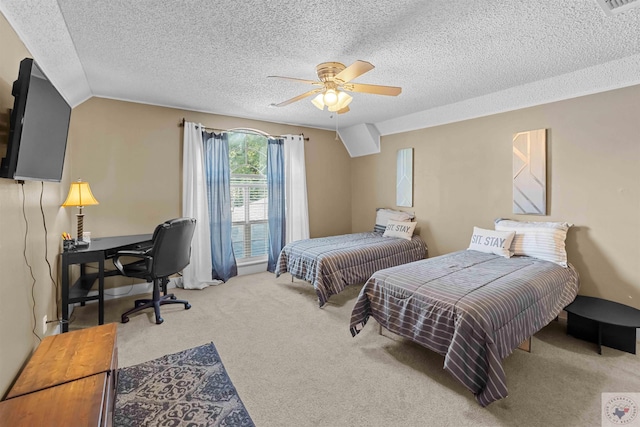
{"x": 142, "y": 288}
{"x": 53, "y": 329}
{"x": 251, "y": 269}
{"x": 134, "y": 289}
{"x": 174, "y": 282}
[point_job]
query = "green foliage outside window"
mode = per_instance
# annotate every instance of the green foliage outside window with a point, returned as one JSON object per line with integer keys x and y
{"x": 248, "y": 166}
{"x": 247, "y": 154}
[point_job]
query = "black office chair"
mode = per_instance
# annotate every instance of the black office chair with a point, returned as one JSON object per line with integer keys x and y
{"x": 168, "y": 252}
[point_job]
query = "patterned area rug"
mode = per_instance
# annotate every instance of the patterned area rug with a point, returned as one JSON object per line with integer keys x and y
{"x": 189, "y": 388}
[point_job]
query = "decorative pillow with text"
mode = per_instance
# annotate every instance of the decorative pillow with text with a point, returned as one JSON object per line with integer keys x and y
{"x": 492, "y": 242}
{"x": 402, "y": 229}
{"x": 383, "y": 215}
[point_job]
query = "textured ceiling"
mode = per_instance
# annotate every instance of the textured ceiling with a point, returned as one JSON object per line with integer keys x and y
{"x": 453, "y": 59}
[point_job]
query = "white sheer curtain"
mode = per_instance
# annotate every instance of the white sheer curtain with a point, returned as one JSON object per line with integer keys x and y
{"x": 297, "y": 210}
{"x": 197, "y": 275}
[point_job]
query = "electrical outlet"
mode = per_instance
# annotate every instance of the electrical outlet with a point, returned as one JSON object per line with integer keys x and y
{"x": 44, "y": 325}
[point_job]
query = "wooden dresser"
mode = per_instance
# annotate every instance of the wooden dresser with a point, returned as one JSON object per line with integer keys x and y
{"x": 69, "y": 380}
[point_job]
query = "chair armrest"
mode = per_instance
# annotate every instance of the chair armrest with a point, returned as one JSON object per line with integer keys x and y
{"x": 144, "y": 246}
{"x": 136, "y": 254}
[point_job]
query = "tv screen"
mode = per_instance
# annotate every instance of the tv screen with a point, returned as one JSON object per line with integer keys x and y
{"x": 38, "y": 128}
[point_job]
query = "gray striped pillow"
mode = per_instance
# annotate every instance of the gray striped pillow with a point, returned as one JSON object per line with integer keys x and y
{"x": 542, "y": 240}
{"x": 384, "y": 215}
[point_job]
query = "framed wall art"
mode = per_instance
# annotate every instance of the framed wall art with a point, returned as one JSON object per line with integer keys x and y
{"x": 530, "y": 172}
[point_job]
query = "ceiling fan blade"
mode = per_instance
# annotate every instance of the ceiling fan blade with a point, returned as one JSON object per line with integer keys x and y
{"x": 298, "y": 98}
{"x": 354, "y": 70}
{"x": 311, "y": 82}
{"x": 374, "y": 89}
{"x": 343, "y": 110}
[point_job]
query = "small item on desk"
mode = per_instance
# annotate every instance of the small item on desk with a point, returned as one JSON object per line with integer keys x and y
{"x": 86, "y": 236}
{"x": 67, "y": 242}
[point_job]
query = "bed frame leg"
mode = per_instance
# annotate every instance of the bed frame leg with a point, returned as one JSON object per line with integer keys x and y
{"x": 526, "y": 345}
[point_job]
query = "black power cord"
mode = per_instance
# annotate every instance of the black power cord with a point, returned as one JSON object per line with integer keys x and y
{"x": 46, "y": 256}
{"x": 26, "y": 260}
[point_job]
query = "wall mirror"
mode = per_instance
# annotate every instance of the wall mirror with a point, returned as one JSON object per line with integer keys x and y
{"x": 404, "y": 178}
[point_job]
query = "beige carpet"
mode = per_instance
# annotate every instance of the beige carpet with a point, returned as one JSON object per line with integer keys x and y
{"x": 294, "y": 364}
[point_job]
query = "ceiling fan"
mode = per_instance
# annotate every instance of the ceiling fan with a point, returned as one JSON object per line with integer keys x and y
{"x": 334, "y": 83}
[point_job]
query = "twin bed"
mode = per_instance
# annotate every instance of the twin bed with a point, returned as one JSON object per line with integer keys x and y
{"x": 473, "y": 306}
{"x": 332, "y": 263}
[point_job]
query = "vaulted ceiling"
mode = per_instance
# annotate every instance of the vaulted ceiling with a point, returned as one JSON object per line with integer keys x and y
{"x": 454, "y": 59}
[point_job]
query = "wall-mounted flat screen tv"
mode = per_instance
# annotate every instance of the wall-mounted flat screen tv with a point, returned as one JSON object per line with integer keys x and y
{"x": 38, "y": 128}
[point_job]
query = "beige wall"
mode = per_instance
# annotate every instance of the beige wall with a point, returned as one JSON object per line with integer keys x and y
{"x": 131, "y": 154}
{"x": 18, "y": 289}
{"x": 463, "y": 179}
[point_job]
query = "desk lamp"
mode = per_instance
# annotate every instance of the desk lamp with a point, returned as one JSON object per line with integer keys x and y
{"x": 80, "y": 195}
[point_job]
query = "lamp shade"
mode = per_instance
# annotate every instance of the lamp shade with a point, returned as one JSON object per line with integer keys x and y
{"x": 80, "y": 195}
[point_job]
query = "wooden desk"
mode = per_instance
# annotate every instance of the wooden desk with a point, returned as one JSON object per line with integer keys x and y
{"x": 98, "y": 251}
{"x": 69, "y": 380}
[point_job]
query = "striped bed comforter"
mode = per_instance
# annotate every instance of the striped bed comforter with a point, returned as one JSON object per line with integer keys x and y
{"x": 332, "y": 263}
{"x": 473, "y": 308}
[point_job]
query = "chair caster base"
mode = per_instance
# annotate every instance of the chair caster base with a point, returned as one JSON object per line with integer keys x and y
{"x": 156, "y": 302}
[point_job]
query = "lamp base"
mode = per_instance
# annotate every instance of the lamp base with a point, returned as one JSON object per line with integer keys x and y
{"x": 80, "y": 219}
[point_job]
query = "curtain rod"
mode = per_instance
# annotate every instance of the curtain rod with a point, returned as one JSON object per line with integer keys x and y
{"x": 181, "y": 124}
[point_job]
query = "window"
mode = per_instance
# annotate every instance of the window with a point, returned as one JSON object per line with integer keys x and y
{"x": 249, "y": 199}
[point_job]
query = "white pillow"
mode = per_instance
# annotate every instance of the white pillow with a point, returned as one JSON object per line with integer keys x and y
{"x": 492, "y": 242}
{"x": 384, "y": 215}
{"x": 402, "y": 229}
{"x": 542, "y": 240}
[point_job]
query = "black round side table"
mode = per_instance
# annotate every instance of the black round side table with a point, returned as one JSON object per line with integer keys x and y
{"x": 604, "y": 322}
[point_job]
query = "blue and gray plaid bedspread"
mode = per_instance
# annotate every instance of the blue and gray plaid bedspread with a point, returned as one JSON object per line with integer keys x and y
{"x": 473, "y": 308}
{"x": 332, "y": 263}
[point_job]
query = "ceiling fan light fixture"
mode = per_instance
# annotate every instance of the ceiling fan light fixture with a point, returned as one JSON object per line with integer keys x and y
{"x": 330, "y": 97}
{"x": 344, "y": 99}
{"x": 318, "y": 102}
{"x": 334, "y": 79}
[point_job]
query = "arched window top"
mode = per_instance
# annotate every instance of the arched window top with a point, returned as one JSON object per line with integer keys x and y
{"x": 249, "y": 196}
{"x": 247, "y": 153}
{"x": 250, "y": 131}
